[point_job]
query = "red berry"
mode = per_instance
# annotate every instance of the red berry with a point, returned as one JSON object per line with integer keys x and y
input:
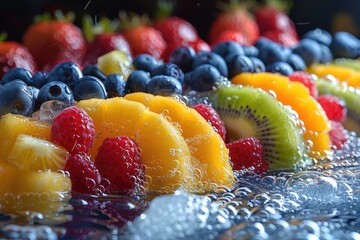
{"x": 232, "y": 35}
{"x": 74, "y": 130}
{"x": 247, "y": 153}
{"x": 84, "y": 176}
{"x": 338, "y": 135}
{"x": 119, "y": 161}
{"x": 212, "y": 117}
{"x": 305, "y": 79}
{"x": 334, "y": 107}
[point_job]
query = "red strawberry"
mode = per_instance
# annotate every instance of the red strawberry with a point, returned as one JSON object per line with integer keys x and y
{"x": 73, "y": 129}
{"x": 119, "y": 161}
{"x": 84, "y": 176}
{"x": 236, "y": 19}
{"x": 52, "y": 40}
{"x": 283, "y": 38}
{"x": 305, "y": 79}
{"x": 199, "y": 45}
{"x": 247, "y": 153}
{"x": 231, "y": 35}
{"x": 13, "y": 54}
{"x": 212, "y": 117}
{"x": 334, "y": 107}
{"x": 338, "y": 135}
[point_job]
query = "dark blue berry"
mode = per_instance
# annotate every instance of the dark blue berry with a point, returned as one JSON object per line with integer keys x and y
{"x": 272, "y": 52}
{"x": 262, "y": 42}
{"x": 296, "y": 62}
{"x": 345, "y": 45}
{"x": 17, "y": 98}
{"x": 17, "y": 73}
{"x": 251, "y": 51}
{"x": 280, "y": 67}
{"x": 205, "y": 78}
{"x": 227, "y": 47}
{"x": 319, "y": 35}
{"x": 164, "y": 85}
{"x": 183, "y": 56}
{"x": 259, "y": 66}
{"x": 89, "y": 87}
{"x": 66, "y": 72}
{"x": 326, "y": 54}
{"x": 213, "y": 59}
{"x": 92, "y": 70}
{"x": 145, "y": 62}
{"x": 35, "y": 91}
{"x": 137, "y": 81}
{"x": 115, "y": 85}
{"x": 309, "y": 50}
{"x": 54, "y": 90}
{"x": 169, "y": 69}
{"x": 39, "y": 79}
{"x": 238, "y": 64}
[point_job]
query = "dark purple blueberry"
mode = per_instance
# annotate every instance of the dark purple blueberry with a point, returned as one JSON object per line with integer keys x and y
{"x": 183, "y": 56}
{"x": 17, "y": 73}
{"x": 66, "y": 72}
{"x": 17, "y": 98}
{"x": 163, "y": 85}
{"x": 296, "y": 62}
{"x": 92, "y": 70}
{"x": 251, "y": 51}
{"x": 309, "y": 50}
{"x": 262, "y": 42}
{"x": 205, "y": 78}
{"x": 319, "y": 35}
{"x": 55, "y": 90}
{"x": 169, "y": 69}
{"x": 259, "y": 66}
{"x": 39, "y": 79}
{"x": 326, "y": 54}
{"x": 89, "y": 87}
{"x": 227, "y": 47}
{"x": 282, "y": 68}
{"x": 272, "y": 52}
{"x": 137, "y": 81}
{"x": 145, "y": 62}
{"x": 238, "y": 64}
{"x": 211, "y": 58}
{"x": 345, "y": 45}
{"x": 115, "y": 85}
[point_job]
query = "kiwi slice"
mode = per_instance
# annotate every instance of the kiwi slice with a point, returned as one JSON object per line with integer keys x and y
{"x": 351, "y": 97}
{"x": 249, "y": 111}
{"x": 349, "y": 63}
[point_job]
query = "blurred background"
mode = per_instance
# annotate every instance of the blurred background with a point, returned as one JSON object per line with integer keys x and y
{"x": 331, "y": 15}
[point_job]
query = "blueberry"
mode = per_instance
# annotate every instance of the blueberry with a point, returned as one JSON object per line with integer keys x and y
{"x": 66, "y": 72}
{"x": 54, "y": 90}
{"x": 205, "y": 78}
{"x": 169, "y": 69}
{"x": 345, "y": 45}
{"x": 39, "y": 79}
{"x": 326, "y": 54}
{"x": 163, "y": 85}
{"x": 137, "y": 81}
{"x": 35, "y": 91}
{"x": 309, "y": 50}
{"x": 251, "y": 51}
{"x": 259, "y": 66}
{"x": 145, "y": 62}
{"x": 17, "y": 98}
{"x": 272, "y": 52}
{"x": 238, "y": 64}
{"x": 213, "y": 59}
{"x": 17, "y": 73}
{"x": 227, "y": 47}
{"x": 183, "y": 56}
{"x": 115, "y": 85}
{"x": 296, "y": 62}
{"x": 92, "y": 70}
{"x": 319, "y": 35}
{"x": 89, "y": 87}
{"x": 280, "y": 67}
{"x": 262, "y": 42}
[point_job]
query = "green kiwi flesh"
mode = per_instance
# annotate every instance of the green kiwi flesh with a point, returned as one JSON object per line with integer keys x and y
{"x": 249, "y": 111}
{"x": 351, "y": 97}
{"x": 349, "y": 63}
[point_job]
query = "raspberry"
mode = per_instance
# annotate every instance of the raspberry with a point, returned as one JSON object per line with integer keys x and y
{"x": 74, "y": 130}
{"x": 84, "y": 176}
{"x": 338, "y": 135}
{"x": 305, "y": 79}
{"x": 334, "y": 107}
{"x": 212, "y": 117}
{"x": 119, "y": 161}
{"x": 247, "y": 153}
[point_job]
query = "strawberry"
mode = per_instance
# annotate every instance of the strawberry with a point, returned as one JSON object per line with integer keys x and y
{"x": 231, "y": 35}
{"x": 334, "y": 107}
{"x": 73, "y": 129}
{"x": 247, "y": 153}
{"x": 52, "y": 40}
{"x": 119, "y": 161}
{"x": 283, "y": 38}
{"x": 237, "y": 19}
{"x": 212, "y": 117}
{"x": 14, "y": 54}
{"x": 307, "y": 80}
{"x": 84, "y": 176}
{"x": 338, "y": 135}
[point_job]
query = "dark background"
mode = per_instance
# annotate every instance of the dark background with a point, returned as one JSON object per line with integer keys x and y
{"x": 332, "y": 15}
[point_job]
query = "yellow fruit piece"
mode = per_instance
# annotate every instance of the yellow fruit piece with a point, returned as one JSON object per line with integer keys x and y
{"x": 116, "y": 61}
{"x": 11, "y": 125}
{"x": 34, "y": 154}
{"x": 322, "y": 141}
{"x": 8, "y": 177}
{"x": 164, "y": 151}
{"x": 298, "y": 97}
{"x": 210, "y": 157}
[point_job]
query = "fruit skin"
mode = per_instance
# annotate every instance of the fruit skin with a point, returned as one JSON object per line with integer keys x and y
{"x": 307, "y": 80}
{"x": 74, "y": 130}
{"x": 137, "y": 81}
{"x": 14, "y": 54}
{"x": 89, "y": 87}
{"x": 119, "y": 161}
{"x": 211, "y": 58}
{"x": 309, "y": 50}
{"x": 54, "y": 40}
{"x": 248, "y": 153}
{"x": 67, "y": 72}
{"x": 54, "y": 90}
{"x": 338, "y": 135}
{"x": 115, "y": 85}
{"x": 163, "y": 85}
{"x": 334, "y": 107}
{"x": 232, "y": 35}
{"x": 17, "y": 73}
{"x": 145, "y": 62}
{"x": 345, "y": 45}
{"x": 205, "y": 77}
{"x": 169, "y": 69}
{"x": 282, "y": 68}
{"x": 183, "y": 56}
{"x": 114, "y": 62}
